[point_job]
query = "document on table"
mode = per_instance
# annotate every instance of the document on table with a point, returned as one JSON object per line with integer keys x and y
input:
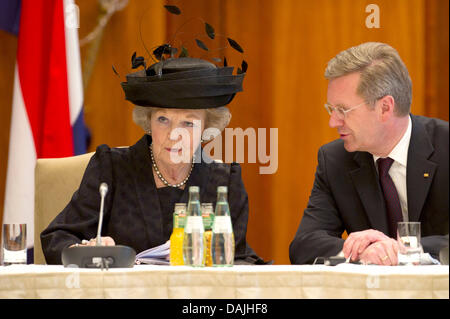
{"x": 159, "y": 255}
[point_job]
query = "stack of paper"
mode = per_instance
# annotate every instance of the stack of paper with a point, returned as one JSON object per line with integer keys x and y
{"x": 159, "y": 255}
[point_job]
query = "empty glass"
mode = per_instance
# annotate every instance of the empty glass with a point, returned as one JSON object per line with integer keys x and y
{"x": 14, "y": 244}
{"x": 408, "y": 238}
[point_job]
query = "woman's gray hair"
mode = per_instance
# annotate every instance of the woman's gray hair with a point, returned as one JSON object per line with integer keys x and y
{"x": 382, "y": 73}
{"x": 216, "y": 119}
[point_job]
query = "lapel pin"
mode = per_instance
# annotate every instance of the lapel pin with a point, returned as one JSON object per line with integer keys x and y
{"x": 426, "y": 175}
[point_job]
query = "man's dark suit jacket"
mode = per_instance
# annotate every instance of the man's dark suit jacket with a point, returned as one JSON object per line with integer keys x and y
{"x": 346, "y": 195}
{"x": 133, "y": 215}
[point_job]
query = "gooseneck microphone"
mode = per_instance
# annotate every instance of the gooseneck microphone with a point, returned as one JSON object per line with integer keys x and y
{"x": 103, "y": 189}
{"x": 99, "y": 256}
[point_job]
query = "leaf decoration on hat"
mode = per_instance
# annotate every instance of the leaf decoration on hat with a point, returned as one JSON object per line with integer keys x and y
{"x": 158, "y": 52}
{"x": 184, "y": 52}
{"x": 244, "y": 66}
{"x": 164, "y": 49}
{"x": 235, "y": 45}
{"x": 173, "y": 9}
{"x": 137, "y": 61}
{"x": 114, "y": 69}
{"x": 201, "y": 44}
{"x": 210, "y": 31}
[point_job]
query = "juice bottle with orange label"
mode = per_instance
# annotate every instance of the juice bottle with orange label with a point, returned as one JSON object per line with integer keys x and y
{"x": 176, "y": 239}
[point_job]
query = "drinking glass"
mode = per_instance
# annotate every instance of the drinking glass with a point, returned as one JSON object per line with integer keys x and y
{"x": 408, "y": 238}
{"x": 14, "y": 244}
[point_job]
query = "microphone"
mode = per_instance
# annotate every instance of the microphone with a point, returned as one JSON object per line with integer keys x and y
{"x": 99, "y": 256}
{"x": 103, "y": 189}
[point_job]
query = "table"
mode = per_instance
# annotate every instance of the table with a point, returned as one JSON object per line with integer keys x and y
{"x": 237, "y": 282}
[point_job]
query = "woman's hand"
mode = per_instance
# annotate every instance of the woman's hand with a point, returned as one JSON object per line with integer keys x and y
{"x": 105, "y": 241}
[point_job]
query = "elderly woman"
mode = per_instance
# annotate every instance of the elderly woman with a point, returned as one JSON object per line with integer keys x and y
{"x": 147, "y": 179}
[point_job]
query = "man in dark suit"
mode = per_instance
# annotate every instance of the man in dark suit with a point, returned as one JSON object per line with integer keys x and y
{"x": 388, "y": 165}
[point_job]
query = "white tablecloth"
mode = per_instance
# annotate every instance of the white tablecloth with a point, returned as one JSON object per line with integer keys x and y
{"x": 274, "y": 281}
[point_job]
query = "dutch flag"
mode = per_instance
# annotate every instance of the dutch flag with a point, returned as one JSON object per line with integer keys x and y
{"x": 47, "y": 112}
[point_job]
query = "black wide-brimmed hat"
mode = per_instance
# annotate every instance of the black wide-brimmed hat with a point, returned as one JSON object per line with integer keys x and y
{"x": 184, "y": 82}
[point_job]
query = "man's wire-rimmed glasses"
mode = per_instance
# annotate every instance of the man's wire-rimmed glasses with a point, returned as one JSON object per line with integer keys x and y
{"x": 339, "y": 111}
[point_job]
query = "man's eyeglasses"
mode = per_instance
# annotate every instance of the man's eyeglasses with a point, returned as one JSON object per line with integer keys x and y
{"x": 339, "y": 111}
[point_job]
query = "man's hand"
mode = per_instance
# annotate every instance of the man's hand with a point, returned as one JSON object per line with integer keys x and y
{"x": 383, "y": 252}
{"x": 357, "y": 242}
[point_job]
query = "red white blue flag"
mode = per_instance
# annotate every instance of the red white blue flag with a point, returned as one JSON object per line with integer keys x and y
{"x": 47, "y": 112}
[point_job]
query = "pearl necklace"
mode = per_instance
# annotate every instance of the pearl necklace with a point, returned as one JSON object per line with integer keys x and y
{"x": 158, "y": 173}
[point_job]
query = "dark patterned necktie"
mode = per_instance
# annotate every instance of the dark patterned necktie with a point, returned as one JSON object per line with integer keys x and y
{"x": 393, "y": 208}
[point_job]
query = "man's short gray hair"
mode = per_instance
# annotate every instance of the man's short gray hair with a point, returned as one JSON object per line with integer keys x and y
{"x": 382, "y": 73}
{"x": 217, "y": 117}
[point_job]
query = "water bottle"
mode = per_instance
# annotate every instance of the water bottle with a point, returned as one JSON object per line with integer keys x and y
{"x": 193, "y": 241}
{"x": 222, "y": 242}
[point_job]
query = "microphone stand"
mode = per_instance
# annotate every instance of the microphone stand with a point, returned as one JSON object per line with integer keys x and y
{"x": 103, "y": 191}
{"x": 99, "y": 256}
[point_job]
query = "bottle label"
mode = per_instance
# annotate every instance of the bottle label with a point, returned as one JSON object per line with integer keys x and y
{"x": 179, "y": 221}
{"x": 208, "y": 220}
{"x": 222, "y": 224}
{"x": 194, "y": 223}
